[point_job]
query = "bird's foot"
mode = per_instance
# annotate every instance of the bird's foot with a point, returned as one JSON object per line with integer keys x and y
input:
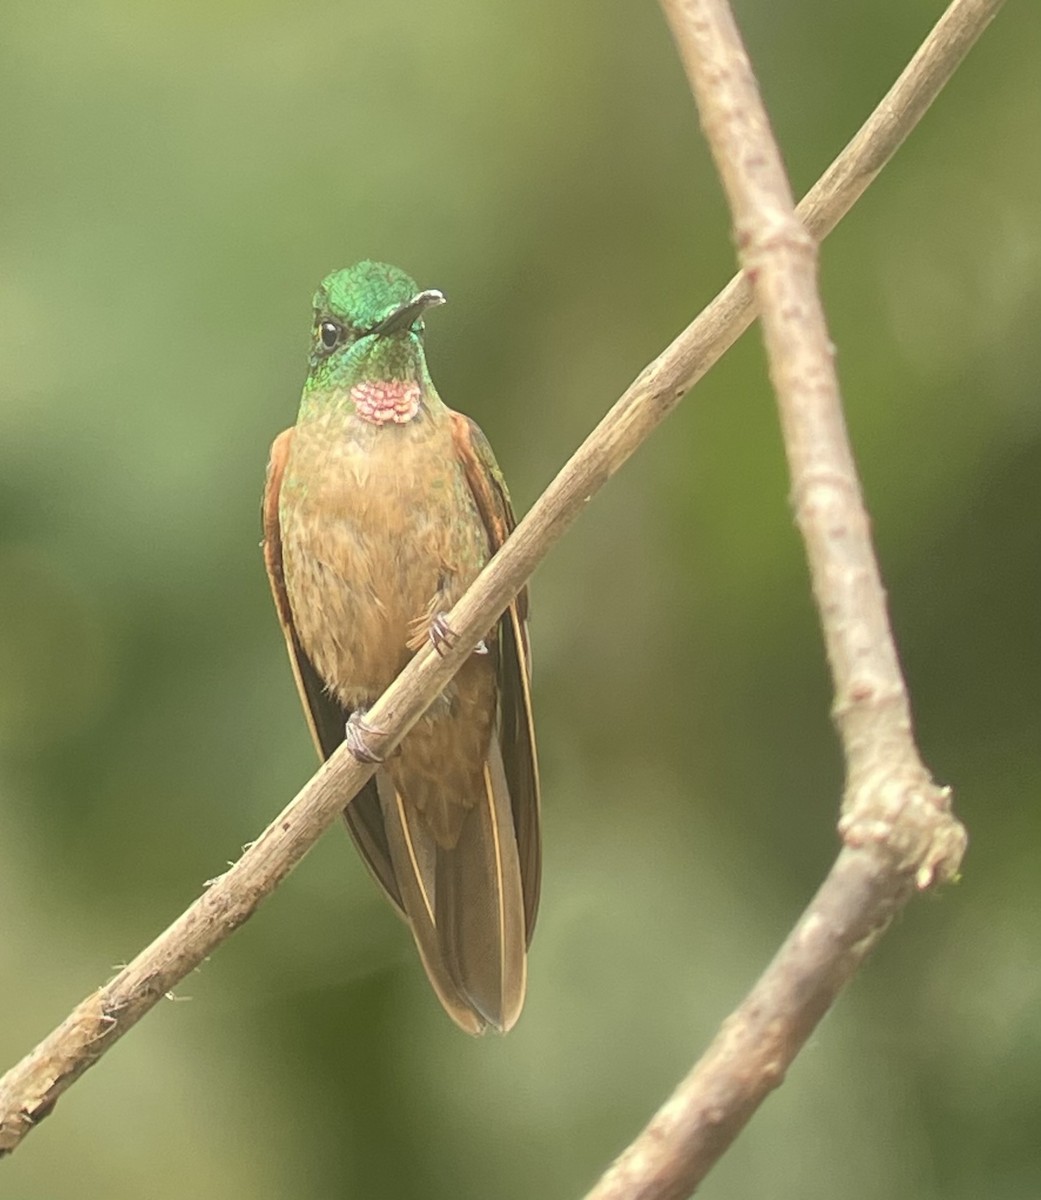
{"x": 355, "y": 734}
{"x": 442, "y": 636}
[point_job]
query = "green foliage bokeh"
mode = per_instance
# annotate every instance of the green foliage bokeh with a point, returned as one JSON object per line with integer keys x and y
{"x": 175, "y": 179}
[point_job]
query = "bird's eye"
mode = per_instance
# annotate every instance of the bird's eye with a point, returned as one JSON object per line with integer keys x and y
{"x": 329, "y": 334}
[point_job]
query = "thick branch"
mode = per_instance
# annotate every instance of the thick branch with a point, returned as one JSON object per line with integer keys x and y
{"x": 896, "y": 822}
{"x": 30, "y": 1089}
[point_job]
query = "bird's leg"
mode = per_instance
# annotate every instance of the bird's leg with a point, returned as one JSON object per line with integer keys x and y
{"x": 355, "y": 734}
{"x": 442, "y": 636}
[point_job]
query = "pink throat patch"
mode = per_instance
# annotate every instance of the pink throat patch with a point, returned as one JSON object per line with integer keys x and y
{"x": 386, "y": 400}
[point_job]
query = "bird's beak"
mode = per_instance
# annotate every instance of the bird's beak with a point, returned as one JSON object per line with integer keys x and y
{"x": 405, "y": 316}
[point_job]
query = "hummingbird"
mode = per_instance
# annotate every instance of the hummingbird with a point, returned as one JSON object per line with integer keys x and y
{"x": 380, "y": 508}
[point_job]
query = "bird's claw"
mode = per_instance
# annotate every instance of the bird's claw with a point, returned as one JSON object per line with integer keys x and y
{"x": 355, "y": 734}
{"x": 442, "y": 636}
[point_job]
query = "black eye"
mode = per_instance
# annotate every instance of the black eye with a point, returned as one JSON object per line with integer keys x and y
{"x": 329, "y": 334}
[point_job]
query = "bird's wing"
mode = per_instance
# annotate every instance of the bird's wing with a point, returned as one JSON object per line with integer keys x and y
{"x": 326, "y": 718}
{"x": 516, "y": 729}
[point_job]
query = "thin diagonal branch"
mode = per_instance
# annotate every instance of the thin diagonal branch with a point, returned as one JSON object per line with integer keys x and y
{"x": 896, "y": 823}
{"x": 29, "y": 1091}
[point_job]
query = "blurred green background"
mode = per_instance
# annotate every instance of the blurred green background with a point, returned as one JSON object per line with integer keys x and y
{"x": 175, "y": 179}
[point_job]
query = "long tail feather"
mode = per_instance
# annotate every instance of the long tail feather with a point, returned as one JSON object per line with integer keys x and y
{"x": 479, "y": 905}
{"x": 413, "y": 855}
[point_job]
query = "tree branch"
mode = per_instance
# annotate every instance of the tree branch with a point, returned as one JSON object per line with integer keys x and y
{"x": 29, "y": 1091}
{"x": 896, "y": 823}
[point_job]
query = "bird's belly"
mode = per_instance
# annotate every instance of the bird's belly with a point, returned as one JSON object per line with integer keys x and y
{"x": 388, "y": 537}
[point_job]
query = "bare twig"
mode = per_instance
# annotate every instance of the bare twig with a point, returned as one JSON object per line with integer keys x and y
{"x": 30, "y": 1089}
{"x": 896, "y": 823}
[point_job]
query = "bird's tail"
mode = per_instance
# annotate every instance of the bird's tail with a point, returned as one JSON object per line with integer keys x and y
{"x": 465, "y": 903}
